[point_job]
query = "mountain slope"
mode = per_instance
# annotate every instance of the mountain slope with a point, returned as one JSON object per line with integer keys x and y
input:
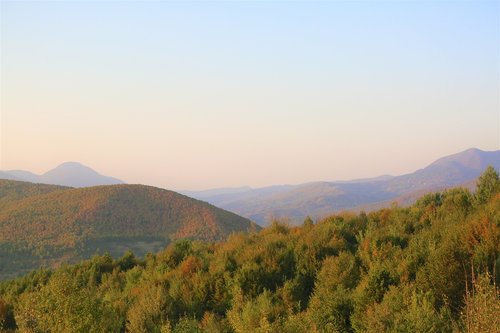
{"x": 217, "y": 192}
{"x": 71, "y": 174}
{"x": 11, "y": 191}
{"x": 23, "y": 175}
{"x": 57, "y": 224}
{"x": 319, "y": 199}
{"x": 6, "y": 175}
{"x": 311, "y": 199}
{"x": 447, "y": 171}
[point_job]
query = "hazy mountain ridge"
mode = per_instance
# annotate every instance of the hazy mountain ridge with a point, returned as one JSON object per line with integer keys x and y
{"x": 449, "y": 170}
{"x": 6, "y": 175}
{"x": 410, "y": 198}
{"x": 319, "y": 199}
{"x": 52, "y": 224}
{"x": 71, "y": 174}
{"x": 217, "y": 192}
{"x": 316, "y": 199}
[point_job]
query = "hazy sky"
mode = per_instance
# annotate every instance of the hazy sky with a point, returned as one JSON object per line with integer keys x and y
{"x": 194, "y": 95}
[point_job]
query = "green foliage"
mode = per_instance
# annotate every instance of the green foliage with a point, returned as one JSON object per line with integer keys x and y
{"x": 308, "y": 222}
{"x": 403, "y": 309}
{"x": 147, "y": 310}
{"x": 426, "y": 268}
{"x": 331, "y": 305}
{"x": 487, "y": 185}
{"x": 254, "y": 315}
{"x": 63, "y": 306}
{"x": 187, "y": 325}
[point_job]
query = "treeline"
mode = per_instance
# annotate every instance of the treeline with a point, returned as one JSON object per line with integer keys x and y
{"x": 431, "y": 267}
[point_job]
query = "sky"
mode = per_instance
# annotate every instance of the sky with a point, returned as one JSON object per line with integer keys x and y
{"x": 197, "y": 95}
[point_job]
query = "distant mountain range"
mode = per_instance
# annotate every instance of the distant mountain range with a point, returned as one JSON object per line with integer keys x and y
{"x": 71, "y": 174}
{"x": 315, "y": 199}
{"x": 45, "y": 225}
{"x": 318, "y": 199}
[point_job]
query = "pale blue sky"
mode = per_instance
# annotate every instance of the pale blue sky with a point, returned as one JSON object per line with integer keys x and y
{"x": 193, "y": 95}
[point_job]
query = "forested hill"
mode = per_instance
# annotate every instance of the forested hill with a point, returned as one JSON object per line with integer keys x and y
{"x": 430, "y": 267}
{"x": 56, "y": 224}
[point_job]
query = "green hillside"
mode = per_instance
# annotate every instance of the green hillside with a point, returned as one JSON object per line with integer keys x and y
{"x": 430, "y": 267}
{"x": 44, "y": 225}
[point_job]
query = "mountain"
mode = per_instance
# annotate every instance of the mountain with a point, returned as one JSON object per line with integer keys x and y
{"x": 319, "y": 199}
{"x": 67, "y": 174}
{"x": 45, "y": 225}
{"x": 447, "y": 171}
{"x": 217, "y": 192}
{"x": 5, "y": 175}
{"x": 223, "y": 197}
{"x": 316, "y": 199}
{"x": 366, "y": 180}
{"x": 21, "y": 175}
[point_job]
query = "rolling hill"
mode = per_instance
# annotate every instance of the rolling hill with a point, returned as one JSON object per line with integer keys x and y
{"x": 319, "y": 199}
{"x": 45, "y": 225}
{"x": 71, "y": 174}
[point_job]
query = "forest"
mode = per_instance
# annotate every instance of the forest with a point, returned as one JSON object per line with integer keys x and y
{"x": 429, "y": 267}
{"x": 47, "y": 225}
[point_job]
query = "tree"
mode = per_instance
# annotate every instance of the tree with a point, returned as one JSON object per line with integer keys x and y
{"x": 487, "y": 185}
{"x": 404, "y": 309}
{"x": 308, "y": 222}
{"x": 253, "y": 315}
{"x": 482, "y": 306}
{"x": 147, "y": 312}
{"x": 331, "y": 304}
{"x": 64, "y": 306}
